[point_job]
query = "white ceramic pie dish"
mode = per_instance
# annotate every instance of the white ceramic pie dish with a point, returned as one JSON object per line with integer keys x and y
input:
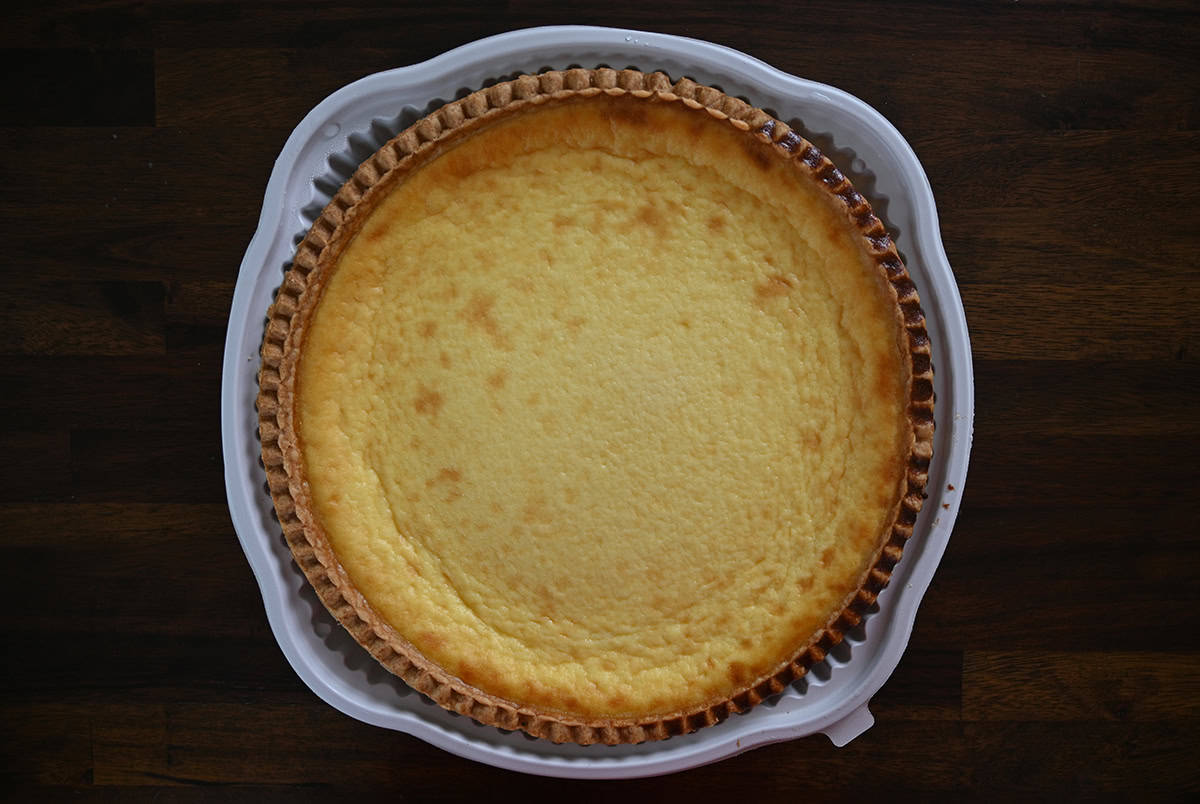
{"x": 350, "y": 125}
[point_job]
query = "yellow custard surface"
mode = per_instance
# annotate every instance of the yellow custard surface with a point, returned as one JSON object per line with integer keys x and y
{"x": 603, "y": 408}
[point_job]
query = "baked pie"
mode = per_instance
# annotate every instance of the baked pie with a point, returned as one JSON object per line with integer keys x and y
{"x": 597, "y": 405}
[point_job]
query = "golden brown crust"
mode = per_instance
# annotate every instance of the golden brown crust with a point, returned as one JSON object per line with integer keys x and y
{"x": 291, "y": 312}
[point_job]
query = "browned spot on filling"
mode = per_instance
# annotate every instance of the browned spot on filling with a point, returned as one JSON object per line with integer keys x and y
{"x": 716, "y": 223}
{"x": 776, "y": 286}
{"x": 428, "y": 640}
{"x": 449, "y": 479}
{"x": 575, "y": 323}
{"x": 800, "y": 626}
{"x": 628, "y": 111}
{"x": 758, "y": 152}
{"x": 561, "y": 221}
{"x": 497, "y": 508}
{"x": 496, "y": 381}
{"x": 826, "y": 556}
{"x": 649, "y": 216}
{"x": 468, "y": 673}
{"x": 459, "y": 166}
{"x": 427, "y": 329}
{"x": 534, "y": 511}
{"x": 685, "y": 323}
{"x": 478, "y": 313}
{"x": 446, "y": 475}
{"x": 533, "y": 399}
{"x": 738, "y": 673}
{"x": 444, "y": 359}
{"x": 428, "y": 401}
{"x": 618, "y": 702}
{"x": 374, "y": 234}
{"x": 836, "y": 229}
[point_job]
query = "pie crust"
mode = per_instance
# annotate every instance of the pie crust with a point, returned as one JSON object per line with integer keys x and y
{"x": 291, "y": 316}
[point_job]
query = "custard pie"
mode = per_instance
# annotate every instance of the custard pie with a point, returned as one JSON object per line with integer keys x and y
{"x": 597, "y": 405}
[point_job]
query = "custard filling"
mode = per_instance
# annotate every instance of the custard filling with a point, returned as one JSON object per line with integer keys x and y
{"x": 594, "y": 420}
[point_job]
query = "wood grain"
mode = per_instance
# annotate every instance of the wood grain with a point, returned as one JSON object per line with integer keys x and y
{"x": 1058, "y": 649}
{"x": 1133, "y": 686}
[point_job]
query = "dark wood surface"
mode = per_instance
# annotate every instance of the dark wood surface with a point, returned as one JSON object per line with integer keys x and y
{"x": 1058, "y": 649}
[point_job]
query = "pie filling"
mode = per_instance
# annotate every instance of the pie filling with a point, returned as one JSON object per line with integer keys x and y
{"x": 596, "y": 422}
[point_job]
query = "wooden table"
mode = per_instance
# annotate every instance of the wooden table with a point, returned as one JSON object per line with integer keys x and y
{"x": 1059, "y": 646}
